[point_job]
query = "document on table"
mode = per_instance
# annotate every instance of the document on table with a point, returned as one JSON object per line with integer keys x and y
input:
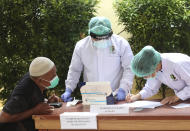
{"x": 78, "y": 120}
{"x": 109, "y": 109}
{"x": 181, "y": 105}
{"x": 144, "y": 104}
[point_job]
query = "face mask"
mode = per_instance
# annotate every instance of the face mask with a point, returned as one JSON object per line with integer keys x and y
{"x": 102, "y": 43}
{"x": 53, "y": 83}
{"x": 150, "y": 78}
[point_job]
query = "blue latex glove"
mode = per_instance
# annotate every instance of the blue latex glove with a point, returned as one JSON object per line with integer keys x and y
{"x": 66, "y": 96}
{"x": 121, "y": 94}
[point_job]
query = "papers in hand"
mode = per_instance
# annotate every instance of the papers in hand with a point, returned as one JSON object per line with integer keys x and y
{"x": 181, "y": 105}
{"x": 144, "y": 104}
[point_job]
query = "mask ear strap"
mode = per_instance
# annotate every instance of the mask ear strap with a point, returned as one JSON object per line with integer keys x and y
{"x": 44, "y": 80}
{"x": 42, "y": 83}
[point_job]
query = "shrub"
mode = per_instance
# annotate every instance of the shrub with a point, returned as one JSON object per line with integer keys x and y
{"x": 164, "y": 24}
{"x": 31, "y": 28}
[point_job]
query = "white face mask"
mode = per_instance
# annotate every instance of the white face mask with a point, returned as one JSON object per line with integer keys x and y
{"x": 150, "y": 78}
{"x": 105, "y": 43}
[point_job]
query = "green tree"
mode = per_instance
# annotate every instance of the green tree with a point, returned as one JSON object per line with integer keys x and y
{"x": 164, "y": 24}
{"x": 31, "y": 28}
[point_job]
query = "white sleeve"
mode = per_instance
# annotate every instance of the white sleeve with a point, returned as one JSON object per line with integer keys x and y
{"x": 183, "y": 70}
{"x": 151, "y": 88}
{"x": 126, "y": 81}
{"x": 75, "y": 70}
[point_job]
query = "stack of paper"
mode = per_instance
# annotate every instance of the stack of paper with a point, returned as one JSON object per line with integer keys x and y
{"x": 144, "y": 104}
{"x": 95, "y": 93}
{"x": 181, "y": 105}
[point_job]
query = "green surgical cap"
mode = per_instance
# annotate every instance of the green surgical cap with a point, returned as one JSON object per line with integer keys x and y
{"x": 99, "y": 26}
{"x": 145, "y": 62}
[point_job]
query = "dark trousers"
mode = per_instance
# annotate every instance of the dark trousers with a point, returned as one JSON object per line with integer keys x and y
{"x": 17, "y": 126}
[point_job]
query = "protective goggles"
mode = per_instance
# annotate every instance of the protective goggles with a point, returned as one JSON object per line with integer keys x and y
{"x": 100, "y": 37}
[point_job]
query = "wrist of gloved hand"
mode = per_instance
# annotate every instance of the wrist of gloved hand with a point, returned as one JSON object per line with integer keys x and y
{"x": 66, "y": 96}
{"x": 121, "y": 94}
{"x": 68, "y": 90}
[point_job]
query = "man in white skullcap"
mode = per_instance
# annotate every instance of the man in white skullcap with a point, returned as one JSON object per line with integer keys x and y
{"x": 27, "y": 98}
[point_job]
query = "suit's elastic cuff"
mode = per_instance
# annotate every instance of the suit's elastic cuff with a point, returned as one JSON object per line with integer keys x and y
{"x": 143, "y": 94}
{"x": 69, "y": 89}
{"x": 182, "y": 95}
{"x": 125, "y": 89}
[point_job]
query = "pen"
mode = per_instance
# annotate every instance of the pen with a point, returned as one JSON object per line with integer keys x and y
{"x": 129, "y": 92}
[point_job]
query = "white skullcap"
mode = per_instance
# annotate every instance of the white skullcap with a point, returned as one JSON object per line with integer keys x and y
{"x": 40, "y": 65}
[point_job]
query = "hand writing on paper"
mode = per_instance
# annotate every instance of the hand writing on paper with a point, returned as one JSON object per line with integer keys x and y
{"x": 54, "y": 98}
{"x": 132, "y": 97}
{"x": 170, "y": 100}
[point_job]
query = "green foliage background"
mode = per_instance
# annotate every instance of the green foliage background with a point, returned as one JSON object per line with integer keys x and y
{"x": 31, "y": 28}
{"x": 164, "y": 24}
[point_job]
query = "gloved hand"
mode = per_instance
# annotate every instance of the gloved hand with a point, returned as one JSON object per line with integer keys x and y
{"x": 66, "y": 96}
{"x": 121, "y": 94}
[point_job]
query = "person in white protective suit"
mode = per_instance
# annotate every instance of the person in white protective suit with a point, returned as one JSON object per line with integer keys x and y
{"x": 101, "y": 56}
{"x": 171, "y": 69}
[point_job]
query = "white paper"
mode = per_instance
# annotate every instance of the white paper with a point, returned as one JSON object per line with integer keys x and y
{"x": 78, "y": 120}
{"x": 181, "y": 105}
{"x": 144, "y": 104}
{"x": 109, "y": 109}
{"x": 72, "y": 103}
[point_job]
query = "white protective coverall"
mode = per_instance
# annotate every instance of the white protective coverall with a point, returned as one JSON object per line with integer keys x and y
{"x": 108, "y": 64}
{"x": 175, "y": 73}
